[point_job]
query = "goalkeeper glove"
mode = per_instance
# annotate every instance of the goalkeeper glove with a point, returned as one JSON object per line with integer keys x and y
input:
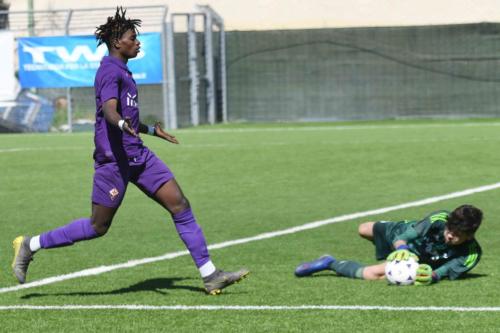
{"x": 424, "y": 275}
{"x": 402, "y": 253}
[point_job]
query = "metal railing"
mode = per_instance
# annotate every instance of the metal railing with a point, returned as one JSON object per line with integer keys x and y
{"x": 77, "y": 21}
{"x": 154, "y": 19}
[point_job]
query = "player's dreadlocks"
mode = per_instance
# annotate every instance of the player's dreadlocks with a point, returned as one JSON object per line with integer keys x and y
{"x": 115, "y": 27}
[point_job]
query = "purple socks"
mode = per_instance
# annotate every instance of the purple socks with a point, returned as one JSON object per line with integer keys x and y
{"x": 81, "y": 229}
{"x": 192, "y": 236}
{"x": 75, "y": 231}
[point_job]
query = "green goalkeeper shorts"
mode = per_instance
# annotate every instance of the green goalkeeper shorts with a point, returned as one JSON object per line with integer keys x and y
{"x": 384, "y": 233}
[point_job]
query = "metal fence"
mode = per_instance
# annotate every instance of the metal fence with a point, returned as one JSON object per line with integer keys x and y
{"x": 191, "y": 104}
{"x": 199, "y": 67}
{"x": 442, "y": 71}
{"x": 293, "y": 75}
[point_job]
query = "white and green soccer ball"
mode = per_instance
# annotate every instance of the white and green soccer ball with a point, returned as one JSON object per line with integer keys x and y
{"x": 401, "y": 272}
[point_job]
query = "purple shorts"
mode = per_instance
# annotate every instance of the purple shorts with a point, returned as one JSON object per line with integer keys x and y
{"x": 146, "y": 171}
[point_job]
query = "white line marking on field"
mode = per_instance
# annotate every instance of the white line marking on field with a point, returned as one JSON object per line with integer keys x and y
{"x": 267, "y": 235}
{"x": 249, "y": 308}
{"x": 271, "y": 144}
{"x": 15, "y": 150}
{"x": 337, "y": 143}
{"x": 244, "y": 145}
{"x": 249, "y": 129}
{"x": 335, "y": 127}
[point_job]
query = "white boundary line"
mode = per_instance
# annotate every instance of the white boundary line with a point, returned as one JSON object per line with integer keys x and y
{"x": 261, "y": 129}
{"x": 267, "y": 235}
{"x": 250, "y": 129}
{"x": 16, "y": 150}
{"x": 256, "y": 144}
{"x": 336, "y": 127}
{"x": 249, "y": 308}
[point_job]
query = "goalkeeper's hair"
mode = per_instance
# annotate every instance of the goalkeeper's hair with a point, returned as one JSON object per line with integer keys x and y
{"x": 115, "y": 27}
{"x": 465, "y": 219}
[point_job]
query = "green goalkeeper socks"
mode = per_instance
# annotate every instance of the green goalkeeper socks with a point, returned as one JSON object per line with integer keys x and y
{"x": 348, "y": 268}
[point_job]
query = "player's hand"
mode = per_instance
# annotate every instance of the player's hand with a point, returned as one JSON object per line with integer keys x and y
{"x": 424, "y": 275}
{"x": 127, "y": 127}
{"x": 164, "y": 135}
{"x": 402, "y": 254}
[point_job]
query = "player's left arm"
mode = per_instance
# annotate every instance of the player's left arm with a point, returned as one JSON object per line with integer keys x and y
{"x": 458, "y": 266}
{"x": 426, "y": 276}
{"x": 451, "y": 269}
{"x": 157, "y": 130}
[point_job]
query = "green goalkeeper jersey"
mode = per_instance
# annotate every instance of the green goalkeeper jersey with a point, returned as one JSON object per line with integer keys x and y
{"x": 425, "y": 238}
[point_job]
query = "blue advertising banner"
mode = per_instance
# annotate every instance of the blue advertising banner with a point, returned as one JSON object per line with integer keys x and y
{"x": 72, "y": 61}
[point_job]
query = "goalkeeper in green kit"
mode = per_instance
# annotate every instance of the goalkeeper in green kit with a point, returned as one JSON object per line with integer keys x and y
{"x": 442, "y": 242}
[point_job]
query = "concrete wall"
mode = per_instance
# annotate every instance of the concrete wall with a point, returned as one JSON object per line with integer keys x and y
{"x": 294, "y": 14}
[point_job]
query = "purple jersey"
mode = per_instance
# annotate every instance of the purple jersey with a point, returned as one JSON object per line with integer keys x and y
{"x": 114, "y": 80}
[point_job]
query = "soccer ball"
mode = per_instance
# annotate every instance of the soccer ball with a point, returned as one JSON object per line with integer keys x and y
{"x": 401, "y": 272}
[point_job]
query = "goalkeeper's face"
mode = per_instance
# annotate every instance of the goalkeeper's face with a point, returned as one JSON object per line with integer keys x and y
{"x": 455, "y": 237}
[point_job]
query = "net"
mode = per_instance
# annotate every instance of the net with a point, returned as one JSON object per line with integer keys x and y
{"x": 364, "y": 73}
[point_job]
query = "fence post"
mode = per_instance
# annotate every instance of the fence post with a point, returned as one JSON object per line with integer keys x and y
{"x": 31, "y": 18}
{"x": 68, "y": 90}
{"x": 171, "y": 89}
{"x": 193, "y": 71}
{"x": 164, "y": 77}
{"x": 209, "y": 68}
{"x": 223, "y": 74}
{"x": 215, "y": 19}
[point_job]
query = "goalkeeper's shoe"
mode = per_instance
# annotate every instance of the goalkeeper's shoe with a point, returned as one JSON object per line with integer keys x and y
{"x": 22, "y": 257}
{"x": 311, "y": 267}
{"x": 218, "y": 280}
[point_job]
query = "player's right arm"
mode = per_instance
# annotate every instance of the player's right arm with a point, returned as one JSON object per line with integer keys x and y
{"x": 110, "y": 111}
{"x": 401, "y": 252}
{"x": 413, "y": 231}
{"x": 400, "y": 244}
{"x": 109, "y": 93}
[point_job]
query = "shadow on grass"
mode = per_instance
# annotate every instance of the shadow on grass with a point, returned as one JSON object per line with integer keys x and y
{"x": 160, "y": 285}
{"x": 322, "y": 275}
{"x": 331, "y": 274}
{"x": 472, "y": 276}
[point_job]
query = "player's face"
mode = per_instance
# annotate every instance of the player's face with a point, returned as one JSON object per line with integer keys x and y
{"x": 455, "y": 238}
{"x": 128, "y": 45}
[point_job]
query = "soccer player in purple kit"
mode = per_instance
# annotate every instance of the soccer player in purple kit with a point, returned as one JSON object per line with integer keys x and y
{"x": 120, "y": 157}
